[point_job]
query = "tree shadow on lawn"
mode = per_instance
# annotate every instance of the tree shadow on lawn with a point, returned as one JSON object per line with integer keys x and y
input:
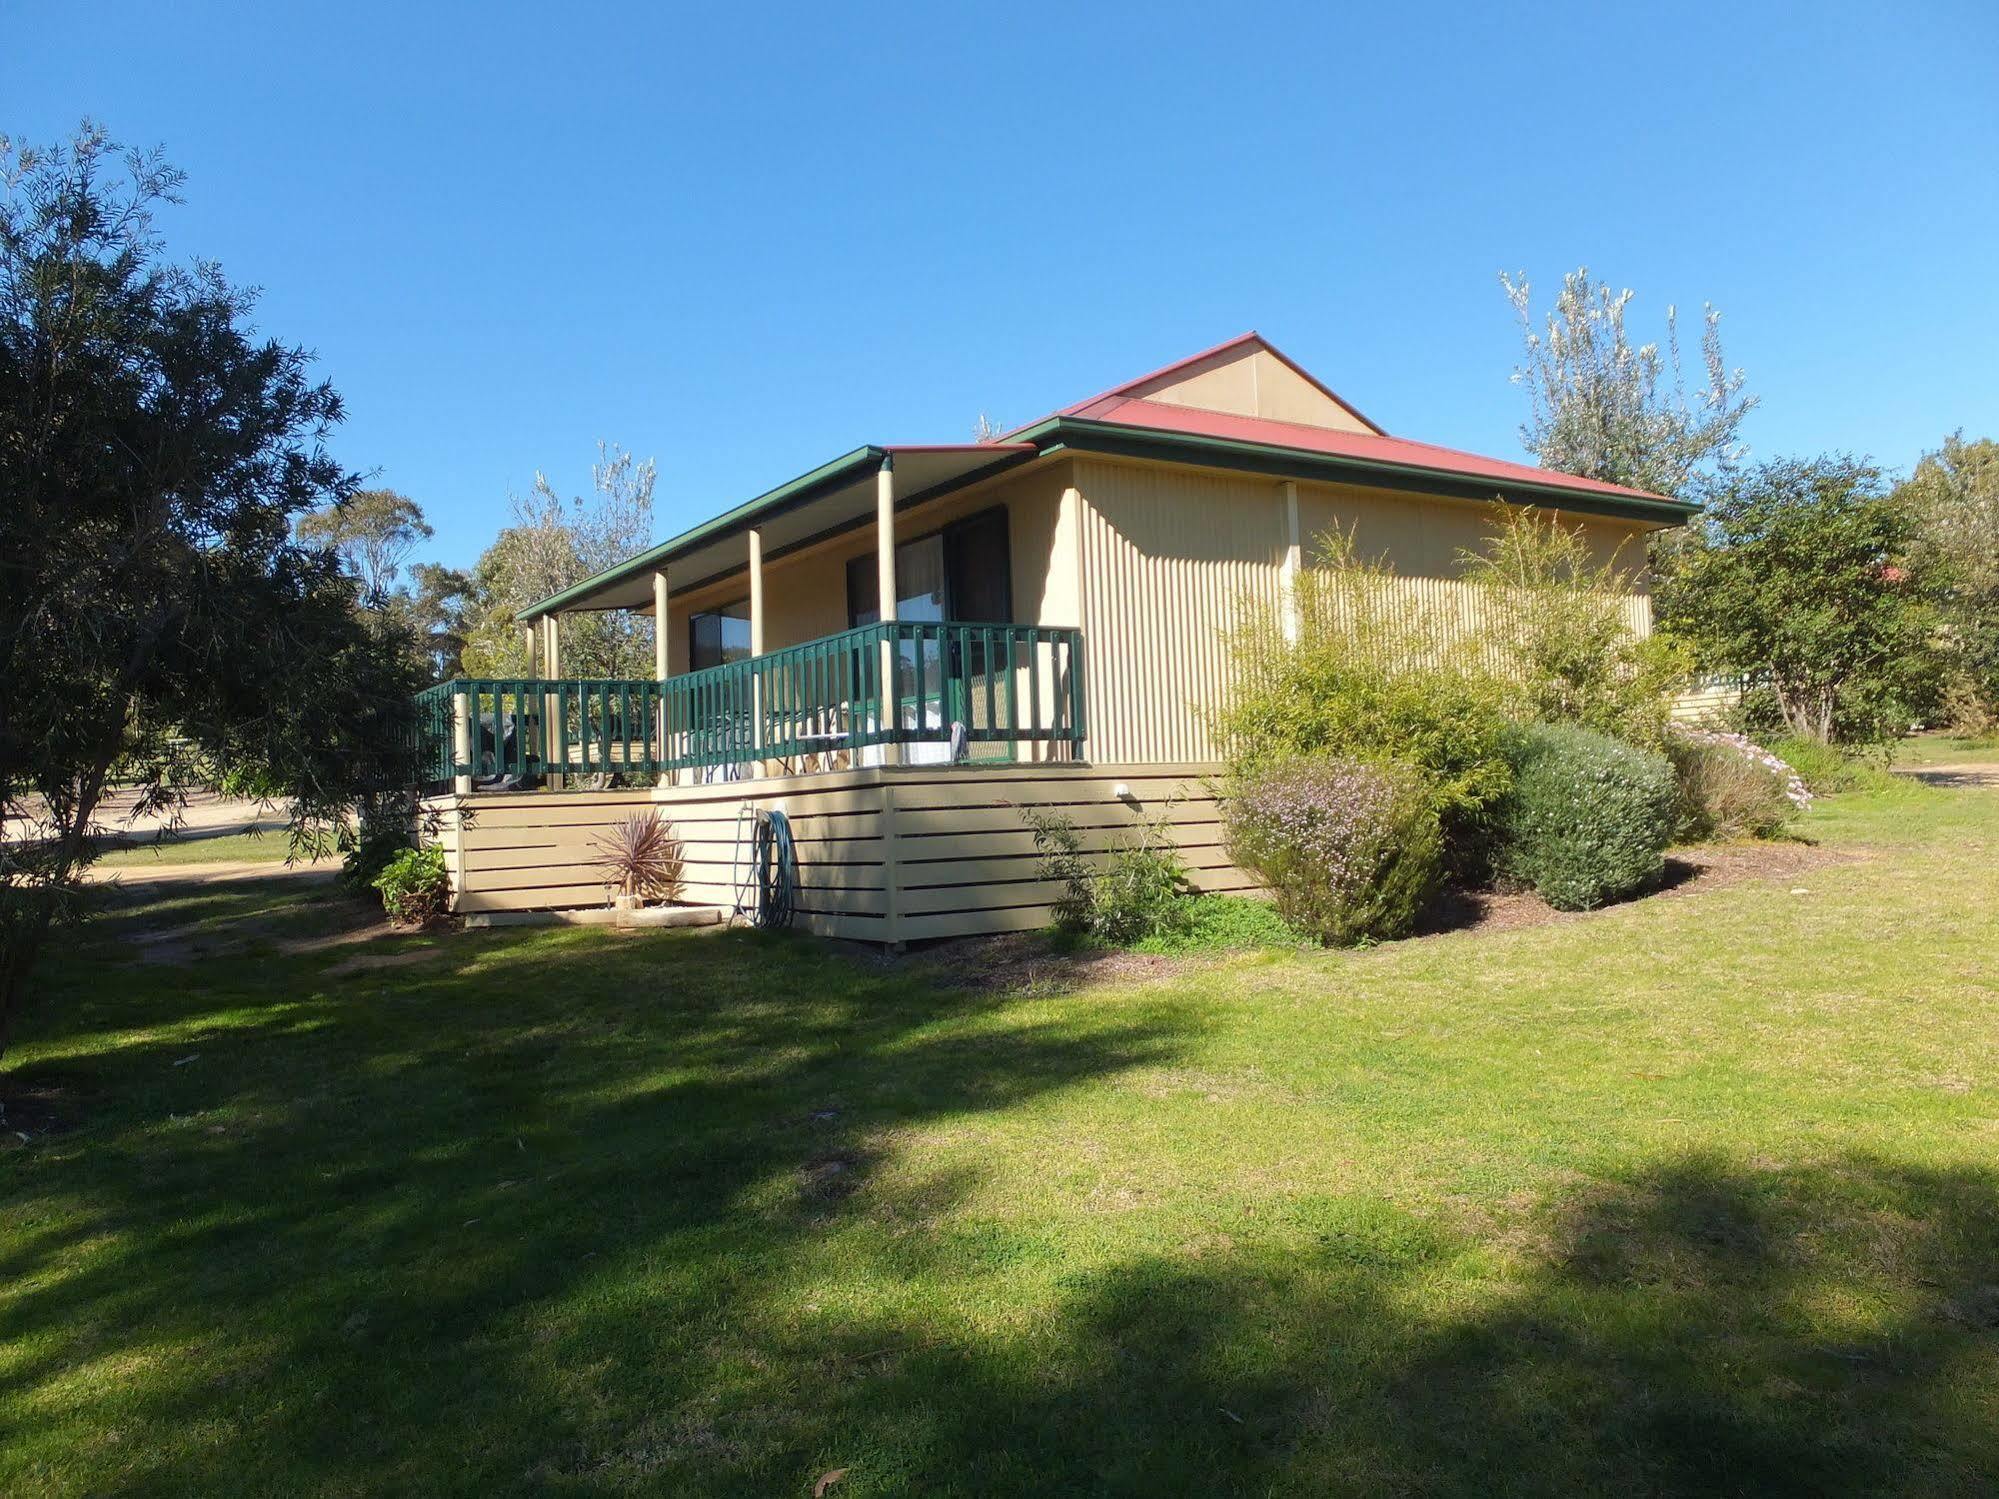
{"x": 562, "y": 1213}
{"x": 324, "y": 1234}
{"x": 1697, "y": 1329}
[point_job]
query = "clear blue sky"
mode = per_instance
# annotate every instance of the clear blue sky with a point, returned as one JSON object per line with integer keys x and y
{"x": 745, "y": 239}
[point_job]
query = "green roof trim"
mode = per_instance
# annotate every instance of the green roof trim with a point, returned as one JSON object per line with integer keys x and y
{"x": 796, "y": 492}
{"x": 1086, "y": 435}
{"x": 1083, "y": 434}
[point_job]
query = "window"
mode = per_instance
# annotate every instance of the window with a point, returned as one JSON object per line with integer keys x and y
{"x": 963, "y": 572}
{"x": 718, "y": 636}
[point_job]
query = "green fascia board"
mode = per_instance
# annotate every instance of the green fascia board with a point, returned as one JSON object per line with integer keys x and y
{"x": 1085, "y": 435}
{"x": 796, "y": 492}
{"x": 1058, "y": 433}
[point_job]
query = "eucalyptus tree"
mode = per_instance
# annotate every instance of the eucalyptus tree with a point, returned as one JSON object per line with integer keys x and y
{"x": 1605, "y": 408}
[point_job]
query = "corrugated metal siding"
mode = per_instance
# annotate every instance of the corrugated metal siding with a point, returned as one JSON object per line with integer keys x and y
{"x": 1167, "y": 555}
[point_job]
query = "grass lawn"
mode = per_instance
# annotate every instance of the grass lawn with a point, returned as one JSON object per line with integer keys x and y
{"x": 270, "y": 847}
{"x": 1697, "y": 1195}
{"x": 1944, "y": 749}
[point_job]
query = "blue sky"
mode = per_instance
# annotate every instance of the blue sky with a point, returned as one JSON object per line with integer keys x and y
{"x": 745, "y": 239}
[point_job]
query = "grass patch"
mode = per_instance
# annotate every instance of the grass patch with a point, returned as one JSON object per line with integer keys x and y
{"x": 251, "y": 848}
{"x": 1831, "y": 771}
{"x": 1690, "y": 1195}
{"x": 1945, "y": 749}
{"x": 1227, "y": 923}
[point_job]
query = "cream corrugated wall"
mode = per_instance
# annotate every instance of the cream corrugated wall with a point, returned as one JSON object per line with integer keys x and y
{"x": 1166, "y": 556}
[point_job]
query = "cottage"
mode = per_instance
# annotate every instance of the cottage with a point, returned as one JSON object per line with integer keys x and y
{"x": 904, "y": 647}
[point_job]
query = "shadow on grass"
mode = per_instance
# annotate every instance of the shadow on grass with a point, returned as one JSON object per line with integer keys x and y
{"x": 564, "y": 1213}
{"x": 1698, "y": 1329}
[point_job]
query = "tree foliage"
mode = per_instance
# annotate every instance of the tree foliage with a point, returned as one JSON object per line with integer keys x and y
{"x": 1604, "y": 408}
{"x": 438, "y": 600}
{"x": 1953, "y": 497}
{"x": 374, "y": 531}
{"x": 154, "y": 456}
{"x": 551, "y": 544}
{"x": 1804, "y": 573}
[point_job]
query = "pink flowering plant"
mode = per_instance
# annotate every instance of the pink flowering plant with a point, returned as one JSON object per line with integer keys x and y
{"x": 1350, "y": 852}
{"x": 1731, "y": 787}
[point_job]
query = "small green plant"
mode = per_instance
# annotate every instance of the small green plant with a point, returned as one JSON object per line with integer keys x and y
{"x": 1588, "y": 819}
{"x": 1349, "y": 852}
{"x": 1228, "y": 923}
{"x": 415, "y": 886}
{"x": 1136, "y": 890}
{"x": 641, "y": 857}
{"x": 378, "y": 835}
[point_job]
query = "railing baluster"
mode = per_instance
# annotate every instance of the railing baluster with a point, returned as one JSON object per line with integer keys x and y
{"x": 886, "y": 683}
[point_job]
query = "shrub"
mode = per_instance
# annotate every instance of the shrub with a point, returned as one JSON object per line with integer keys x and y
{"x": 1809, "y": 574}
{"x": 1557, "y": 621}
{"x": 641, "y": 857}
{"x": 1350, "y": 852}
{"x": 1729, "y": 786}
{"x": 1371, "y": 674}
{"x": 380, "y": 833}
{"x": 1588, "y": 819}
{"x": 415, "y": 887}
{"x": 1126, "y": 895}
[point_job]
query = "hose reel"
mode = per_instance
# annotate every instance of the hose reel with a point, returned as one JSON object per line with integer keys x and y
{"x": 767, "y": 891}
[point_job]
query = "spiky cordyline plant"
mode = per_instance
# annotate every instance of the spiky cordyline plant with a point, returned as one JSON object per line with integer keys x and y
{"x": 642, "y": 856}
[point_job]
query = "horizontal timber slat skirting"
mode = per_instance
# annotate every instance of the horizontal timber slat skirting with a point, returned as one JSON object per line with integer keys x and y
{"x": 957, "y": 859}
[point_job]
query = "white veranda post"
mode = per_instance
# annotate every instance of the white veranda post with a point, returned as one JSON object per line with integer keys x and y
{"x": 756, "y": 543}
{"x": 551, "y": 635}
{"x": 1293, "y": 561}
{"x": 885, "y": 592}
{"x": 659, "y": 667}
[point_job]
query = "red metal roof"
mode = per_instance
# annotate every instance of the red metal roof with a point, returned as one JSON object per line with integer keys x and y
{"x": 1118, "y": 405}
{"x": 1372, "y": 447}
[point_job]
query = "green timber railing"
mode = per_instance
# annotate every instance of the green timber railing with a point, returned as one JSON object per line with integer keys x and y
{"x": 826, "y": 704}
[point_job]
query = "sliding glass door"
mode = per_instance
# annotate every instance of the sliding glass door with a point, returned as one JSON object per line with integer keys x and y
{"x": 961, "y": 573}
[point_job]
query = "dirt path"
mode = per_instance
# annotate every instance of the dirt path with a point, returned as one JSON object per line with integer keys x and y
{"x": 118, "y": 825}
{"x": 1968, "y": 773}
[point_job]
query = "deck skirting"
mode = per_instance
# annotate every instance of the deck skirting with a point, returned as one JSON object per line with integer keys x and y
{"x": 885, "y": 853}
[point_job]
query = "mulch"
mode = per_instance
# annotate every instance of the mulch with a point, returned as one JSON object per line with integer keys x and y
{"x": 1034, "y": 963}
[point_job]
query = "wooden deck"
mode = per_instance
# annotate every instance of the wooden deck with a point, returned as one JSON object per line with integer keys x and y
{"x": 885, "y": 853}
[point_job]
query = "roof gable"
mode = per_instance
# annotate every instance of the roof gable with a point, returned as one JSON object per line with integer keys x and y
{"x": 1247, "y": 376}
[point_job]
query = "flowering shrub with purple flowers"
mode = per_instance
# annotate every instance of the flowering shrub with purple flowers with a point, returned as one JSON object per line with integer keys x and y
{"x": 1350, "y": 852}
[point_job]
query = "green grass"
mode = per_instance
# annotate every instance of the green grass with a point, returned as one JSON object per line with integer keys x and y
{"x": 259, "y": 848}
{"x": 1227, "y": 923}
{"x": 1695, "y": 1195}
{"x": 1945, "y": 749}
{"x": 1831, "y": 770}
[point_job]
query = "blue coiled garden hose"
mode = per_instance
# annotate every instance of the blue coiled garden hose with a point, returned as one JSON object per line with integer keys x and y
{"x": 768, "y": 894}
